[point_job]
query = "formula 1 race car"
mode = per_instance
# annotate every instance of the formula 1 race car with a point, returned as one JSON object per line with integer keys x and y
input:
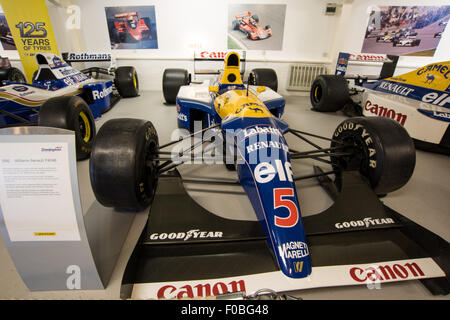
{"x": 128, "y": 27}
{"x": 63, "y": 97}
{"x": 406, "y": 42}
{"x": 127, "y": 159}
{"x": 249, "y": 24}
{"x": 418, "y": 100}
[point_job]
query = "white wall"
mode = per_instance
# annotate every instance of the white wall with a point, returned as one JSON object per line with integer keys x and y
{"x": 184, "y": 26}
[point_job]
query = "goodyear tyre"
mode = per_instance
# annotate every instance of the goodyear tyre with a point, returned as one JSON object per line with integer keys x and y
{"x": 121, "y": 171}
{"x": 127, "y": 81}
{"x": 71, "y": 113}
{"x": 173, "y": 79}
{"x": 382, "y": 150}
{"x": 329, "y": 93}
{"x": 264, "y": 77}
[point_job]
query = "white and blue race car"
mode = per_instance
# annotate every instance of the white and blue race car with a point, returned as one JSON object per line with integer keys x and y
{"x": 61, "y": 96}
{"x": 419, "y": 100}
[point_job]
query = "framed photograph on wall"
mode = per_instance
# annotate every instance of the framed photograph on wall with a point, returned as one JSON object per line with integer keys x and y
{"x": 405, "y": 30}
{"x": 132, "y": 27}
{"x": 256, "y": 26}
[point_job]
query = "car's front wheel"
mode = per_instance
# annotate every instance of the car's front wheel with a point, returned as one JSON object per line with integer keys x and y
{"x": 122, "y": 167}
{"x": 380, "y": 148}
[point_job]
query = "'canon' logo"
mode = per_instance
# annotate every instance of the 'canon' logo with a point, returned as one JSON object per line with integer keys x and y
{"x": 386, "y": 272}
{"x": 366, "y": 57}
{"x": 385, "y": 112}
{"x": 213, "y": 55}
{"x": 200, "y": 290}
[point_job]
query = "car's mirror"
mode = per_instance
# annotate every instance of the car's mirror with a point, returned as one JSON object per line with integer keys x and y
{"x": 214, "y": 89}
{"x": 261, "y": 89}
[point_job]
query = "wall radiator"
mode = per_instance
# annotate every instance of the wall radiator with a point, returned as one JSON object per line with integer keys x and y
{"x": 301, "y": 76}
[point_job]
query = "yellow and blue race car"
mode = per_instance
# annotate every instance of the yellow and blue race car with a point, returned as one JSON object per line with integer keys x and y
{"x": 127, "y": 160}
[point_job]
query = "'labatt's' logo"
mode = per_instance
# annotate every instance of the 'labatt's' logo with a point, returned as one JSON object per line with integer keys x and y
{"x": 439, "y": 115}
{"x": 248, "y": 132}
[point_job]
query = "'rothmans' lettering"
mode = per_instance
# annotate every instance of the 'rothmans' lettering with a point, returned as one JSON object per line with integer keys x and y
{"x": 89, "y": 56}
{"x": 96, "y": 94}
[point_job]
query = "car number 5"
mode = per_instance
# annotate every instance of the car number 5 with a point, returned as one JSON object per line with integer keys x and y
{"x": 279, "y": 201}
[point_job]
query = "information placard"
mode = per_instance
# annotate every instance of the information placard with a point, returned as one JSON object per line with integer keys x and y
{"x": 36, "y": 192}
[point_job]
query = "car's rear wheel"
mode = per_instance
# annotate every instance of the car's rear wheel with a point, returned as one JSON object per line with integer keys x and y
{"x": 173, "y": 79}
{"x": 329, "y": 93}
{"x": 71, "y": 113}
{"x": 122, "y": 172}
{"x": 381, "y": 150}
{"x": 12, "y": 74}
{"x": 126, "y": 81}
{"x": 264, "y": 77}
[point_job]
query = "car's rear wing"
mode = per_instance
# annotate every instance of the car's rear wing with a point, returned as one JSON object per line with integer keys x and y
{"x": 71, "y": 57}
{"x": 212, "y": 58}
{"x": 387, "y": 70}
{"x": 124, "y": 15}
{"x": 86, "y": 57}
{"x": 244, "y": 14}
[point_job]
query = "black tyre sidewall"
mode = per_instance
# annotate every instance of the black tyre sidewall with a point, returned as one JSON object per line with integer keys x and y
{"x": 265, "y": 77}
{"x": 124, "y": 81}
{"x": 120, "y": 177}
{"x": 334, "y": 93}
{"x": 173, "y": 79}
{"x": 386, "y": 150}
{"x": 64, "y": 112}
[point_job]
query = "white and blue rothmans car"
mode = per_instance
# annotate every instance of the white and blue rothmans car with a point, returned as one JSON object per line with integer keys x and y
{"x": 61, "y": 96}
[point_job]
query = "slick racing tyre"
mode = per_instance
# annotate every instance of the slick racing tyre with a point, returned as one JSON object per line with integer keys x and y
{"x": 264, "y": 77}
{"x": 329, "y": 93}
{"x": 382, "y": 151}
{"x": 11, "y": 74}
{"x": 71, "y": 113}
{"x": 127, "y": 82}
{"x": 122, "y": 175}
{"x": 173, "y": 79}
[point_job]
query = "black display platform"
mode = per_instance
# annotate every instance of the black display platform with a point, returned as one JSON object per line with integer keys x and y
{"x": 357, "y": 229}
